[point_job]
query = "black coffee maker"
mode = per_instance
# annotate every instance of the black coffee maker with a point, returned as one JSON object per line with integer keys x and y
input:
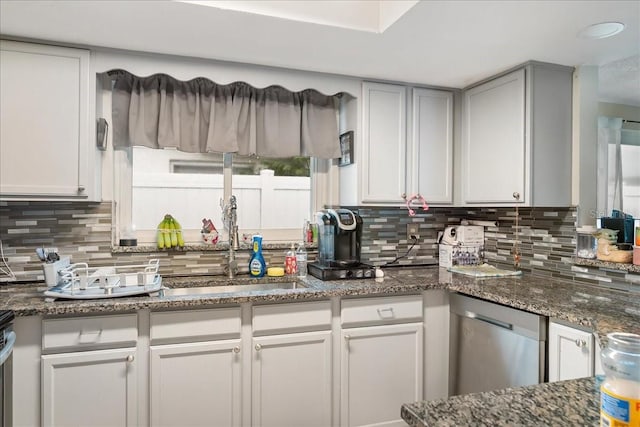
{"x": 339, "y": 244}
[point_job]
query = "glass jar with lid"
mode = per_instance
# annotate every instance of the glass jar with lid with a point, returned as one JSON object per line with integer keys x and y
{"x": 586, "y": 243}
{"x": 620, "y": 390}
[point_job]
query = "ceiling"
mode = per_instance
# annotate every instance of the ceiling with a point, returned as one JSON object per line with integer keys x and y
{"x": 440, "y": 43}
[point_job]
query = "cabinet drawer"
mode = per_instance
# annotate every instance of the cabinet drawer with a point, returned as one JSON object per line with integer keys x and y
{"x": 291, "y": 317}
{"x": 195, "y": 325}
{"x": 89, "y": 332}
{"x": 381, "y": 310}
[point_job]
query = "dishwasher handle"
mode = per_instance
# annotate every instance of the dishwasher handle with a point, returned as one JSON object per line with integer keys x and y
{"x": 489, "y": 320}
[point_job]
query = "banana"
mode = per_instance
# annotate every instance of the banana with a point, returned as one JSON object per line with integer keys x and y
{"x": 178, "y": 229}
{"x": 174, "y": 235}
{"x": 166, "y": 233}
{"x": 160, "y": 239}
{"x": 160, "y": 236}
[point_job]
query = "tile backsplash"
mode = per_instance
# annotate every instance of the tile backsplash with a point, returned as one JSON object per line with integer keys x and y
{"x": 83, "y": 230}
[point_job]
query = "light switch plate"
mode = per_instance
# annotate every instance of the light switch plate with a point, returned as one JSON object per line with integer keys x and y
{"x": 413, "y": 230}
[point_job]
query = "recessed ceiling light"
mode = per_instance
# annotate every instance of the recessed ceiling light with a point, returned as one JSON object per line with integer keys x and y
{"x": 601, "y": 30}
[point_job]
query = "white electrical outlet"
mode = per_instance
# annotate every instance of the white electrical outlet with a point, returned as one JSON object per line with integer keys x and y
{"x": 413, "y": 230}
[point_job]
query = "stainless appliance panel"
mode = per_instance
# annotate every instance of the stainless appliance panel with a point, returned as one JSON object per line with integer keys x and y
{"x": 7, "y": 341}
{"x": 494, "y": 347}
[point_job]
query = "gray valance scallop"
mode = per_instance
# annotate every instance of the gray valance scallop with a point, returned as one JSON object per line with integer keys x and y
{"x": 200, "y": 116}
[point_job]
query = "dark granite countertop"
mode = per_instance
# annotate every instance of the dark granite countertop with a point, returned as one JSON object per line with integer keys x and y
{"x": 562, "y": 403}
{"x": 603, "y": 311}
{"x": 567, "y": 403}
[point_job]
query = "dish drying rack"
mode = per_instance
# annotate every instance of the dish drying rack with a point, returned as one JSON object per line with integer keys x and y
{"x": 79, "y": 281}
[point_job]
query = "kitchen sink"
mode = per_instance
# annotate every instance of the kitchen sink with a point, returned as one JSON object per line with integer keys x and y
{"x": 219, "y": 289}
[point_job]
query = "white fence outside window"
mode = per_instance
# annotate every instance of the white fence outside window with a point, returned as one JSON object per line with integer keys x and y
{"x": 265, "y": 201}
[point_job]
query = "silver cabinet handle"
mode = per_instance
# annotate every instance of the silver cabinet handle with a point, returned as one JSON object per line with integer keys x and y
{"x": 581, "y": 343}
{"x": 236, "y": 349}
{"x": 130, "y": 358}
{"x": 387, "y": 310}
{"x": 347, "y": 337}
{"x": 258, "y": 347}
{"x": 81, "y": 189}
{"x": 89, "y": 337}
{"x": 516, "y": 195}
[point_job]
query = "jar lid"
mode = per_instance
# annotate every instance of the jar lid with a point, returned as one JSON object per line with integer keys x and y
{"x": 624, "y": 341}
{"x": 586, "y": 229}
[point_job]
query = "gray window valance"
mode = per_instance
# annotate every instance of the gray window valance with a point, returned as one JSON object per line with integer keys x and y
{"x": 200, "y": 116}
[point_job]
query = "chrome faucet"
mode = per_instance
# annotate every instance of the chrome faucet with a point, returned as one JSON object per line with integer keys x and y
{"x": 230, "y": 219}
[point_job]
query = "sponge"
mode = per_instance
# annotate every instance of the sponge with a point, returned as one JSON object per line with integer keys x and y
{"x": 275, "y": 271}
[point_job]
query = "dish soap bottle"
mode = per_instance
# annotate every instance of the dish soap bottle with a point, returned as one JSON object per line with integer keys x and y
{"x": 257, "y": 266}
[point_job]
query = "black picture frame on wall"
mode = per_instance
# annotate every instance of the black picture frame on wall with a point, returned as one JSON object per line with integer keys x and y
{"x": 346, "y": 149}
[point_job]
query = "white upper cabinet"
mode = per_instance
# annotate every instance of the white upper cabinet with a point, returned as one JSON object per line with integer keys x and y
{"x": 385, "y": 143}
{"x": 494, "y": 142}
{"x": 47, "y": 111}
{"x": 431, "y": 150}
{"x": 516, "y": 145}
{"x": 404, "y": 154}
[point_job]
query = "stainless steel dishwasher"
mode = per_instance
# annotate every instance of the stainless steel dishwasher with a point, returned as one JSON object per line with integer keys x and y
{"x": 493, "y": 346}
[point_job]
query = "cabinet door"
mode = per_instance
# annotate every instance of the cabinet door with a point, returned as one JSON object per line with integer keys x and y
{"x": 381, "y": 369}
{"x": 384, "y": 147}
{"x": 44, "y": 110}
{"x": 92, "y": 388}
{"x": 494, "y": 149}
{"x": 196, "y": 384}
{"x": 431, "y": 152}
{"x": 291, "y": 380}
{"x": 570, "y": 353}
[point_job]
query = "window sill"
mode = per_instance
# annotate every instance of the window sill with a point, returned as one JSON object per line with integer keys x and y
{"x": 631, "y": 268}
{"x": 200, "y": 247}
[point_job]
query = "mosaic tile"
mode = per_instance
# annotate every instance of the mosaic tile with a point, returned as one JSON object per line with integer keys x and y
{"x": 546, "y": 239}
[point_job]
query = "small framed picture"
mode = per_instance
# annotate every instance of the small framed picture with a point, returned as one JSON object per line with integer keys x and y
{"x": 346, "y": 148}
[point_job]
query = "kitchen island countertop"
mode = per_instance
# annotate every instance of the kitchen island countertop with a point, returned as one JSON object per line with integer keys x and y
{"x": 562, "y": 403}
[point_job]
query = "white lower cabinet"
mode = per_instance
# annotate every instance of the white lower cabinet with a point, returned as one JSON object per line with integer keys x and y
{"x": 381, "y": 370}
{"x": 92, "y": 388}
{"x": 571, "y": 353}
{"x": 198, "y": 382}
{"x": 381, "y": 364}
{"x": 195, "y": 384}
{"x": 89, "y": 373}
{"x": 349, "y": 362}
{"x": 291, "y": 369}
{"x": 291, "y": 380}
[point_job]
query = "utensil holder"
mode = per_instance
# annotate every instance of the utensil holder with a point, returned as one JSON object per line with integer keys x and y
{"x": 51, "y": 269}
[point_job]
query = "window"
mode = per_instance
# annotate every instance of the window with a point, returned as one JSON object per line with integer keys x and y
{"x": 274, "y": 196}
{"x": 184, "y": 122}
{"x": 618, "y": 174}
